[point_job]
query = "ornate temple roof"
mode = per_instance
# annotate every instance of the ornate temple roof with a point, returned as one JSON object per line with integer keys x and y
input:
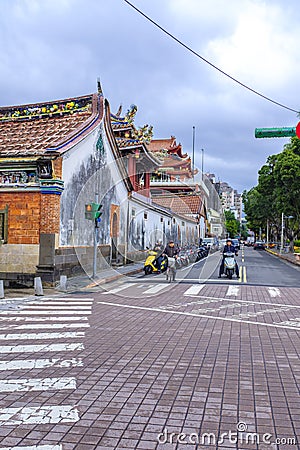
{"x": 41, "y": 128}
{"x": 168, "y": 146}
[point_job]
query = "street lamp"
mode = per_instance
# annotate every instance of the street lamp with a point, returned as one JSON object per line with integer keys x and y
{"x": 282, "y": 228}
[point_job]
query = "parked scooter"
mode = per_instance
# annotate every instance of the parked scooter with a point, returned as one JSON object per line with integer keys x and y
{"x": 151, "y": 264}
{"x": 229, "y": 264}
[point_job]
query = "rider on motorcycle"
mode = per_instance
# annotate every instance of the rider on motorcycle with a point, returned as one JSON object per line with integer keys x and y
{"x": 228, "y": 248}
{"x": 171, "y": 251}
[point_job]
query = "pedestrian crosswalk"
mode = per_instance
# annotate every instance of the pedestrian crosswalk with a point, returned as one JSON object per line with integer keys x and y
{"x": 64, "y": 320}
{"x": 185, "y": 289}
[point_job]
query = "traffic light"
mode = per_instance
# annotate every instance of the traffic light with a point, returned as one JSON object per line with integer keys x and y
{"x": 93, "y": 211}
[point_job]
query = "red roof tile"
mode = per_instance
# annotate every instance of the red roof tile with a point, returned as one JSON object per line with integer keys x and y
{"x": 31, "y": 130}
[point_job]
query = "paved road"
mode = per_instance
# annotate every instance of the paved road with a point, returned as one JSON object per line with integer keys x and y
{"x": 256, "y": 267}
{"x": 148, "y": 365}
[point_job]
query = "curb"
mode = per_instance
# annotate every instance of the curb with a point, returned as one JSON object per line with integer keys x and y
{"x": 296, "y": 263}
{"x": 101, "y": 281}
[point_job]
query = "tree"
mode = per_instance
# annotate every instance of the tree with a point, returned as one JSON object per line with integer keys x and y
{"x": 231, "y": 224}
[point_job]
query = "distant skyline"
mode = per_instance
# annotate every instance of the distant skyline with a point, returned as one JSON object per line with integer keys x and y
{"x": 56, "y": 49}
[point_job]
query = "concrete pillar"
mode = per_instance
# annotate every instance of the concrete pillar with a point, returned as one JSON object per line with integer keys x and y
{"x": 38, "y": 288}
{"x": 1, "y": 289}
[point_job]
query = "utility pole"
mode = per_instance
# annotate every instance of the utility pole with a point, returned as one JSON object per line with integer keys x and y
{"x": 193, "y": 159}
{"x": 282, "y": 228}
{"x": 95, "y": 240}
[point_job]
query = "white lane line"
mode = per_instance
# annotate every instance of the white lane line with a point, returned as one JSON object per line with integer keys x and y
{"x": 204, "y": 316}
{"x": 19, "y": 364}
{"x": 41, "y": 312}
{"x": 42, "y": 319}
{"x": 61, "y": 303}
{"x": 118, "y": 289}
{"x": 64, "y": 334}
{"x": 34, "y": 447}
{"x": 37, "y": 384}
{"x": 43, "y": 306}
{"x": 232, "y": 290}
{"x": 40, "y": 348}
{"x": 274, "y": 292}
{"x": 194, "y": 290}
{"x": 38, "y": 415}
{"x": 42, "y": 326}
{"x": 156, "y": 288}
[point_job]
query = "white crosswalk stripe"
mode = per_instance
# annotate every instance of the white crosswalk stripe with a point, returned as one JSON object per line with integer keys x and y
{"x": 37, "y": 384}
{"x": 28, "y": 312}
{"x": 36, "y": 336}
{"x": 119, "y": 288}
{"x": 232, "y": 291}
{"x": 34, "y": 447}
{"x": 38, "y": 415}
{"x": 156, "y": 288}
{"x": 20, "y": 364}
{"x": 41, "y": 348}
{"x": 274, "y": 292}
{"x": 194, "y": 289}
{"x": 43, "y": 319}
{"x": 42, "y": 326}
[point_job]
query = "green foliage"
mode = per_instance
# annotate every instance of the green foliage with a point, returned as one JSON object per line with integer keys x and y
{"x": 231, "y": 224}
{"x": 277, "y": 192}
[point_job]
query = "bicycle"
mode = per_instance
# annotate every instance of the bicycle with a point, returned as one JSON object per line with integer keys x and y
{"x": 171, "y": 270}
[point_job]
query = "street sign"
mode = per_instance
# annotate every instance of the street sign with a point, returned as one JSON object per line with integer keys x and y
{"x": 275, "y": 132}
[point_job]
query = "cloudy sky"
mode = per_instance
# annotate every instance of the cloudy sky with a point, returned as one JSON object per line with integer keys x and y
{"x": 54, "y": 49}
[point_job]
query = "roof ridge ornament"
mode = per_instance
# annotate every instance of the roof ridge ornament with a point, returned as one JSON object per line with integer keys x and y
{"x": 99, "y": 87}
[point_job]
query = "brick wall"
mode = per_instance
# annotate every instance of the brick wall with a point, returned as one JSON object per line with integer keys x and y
{"x": 24, "y": 210}
{"x": 50, "y": 213}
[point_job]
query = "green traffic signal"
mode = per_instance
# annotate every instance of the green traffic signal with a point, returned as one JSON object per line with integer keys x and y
{"x": 93, "y": 211}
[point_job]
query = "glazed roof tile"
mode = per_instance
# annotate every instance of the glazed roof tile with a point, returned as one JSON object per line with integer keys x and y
{"x": 36, "y": 129}
{"x": 183, "y": 205}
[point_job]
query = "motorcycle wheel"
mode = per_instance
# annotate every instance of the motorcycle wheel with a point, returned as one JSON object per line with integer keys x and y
{"x": 148, "y": 270}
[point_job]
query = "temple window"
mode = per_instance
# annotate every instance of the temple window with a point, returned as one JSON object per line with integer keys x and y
{"x": 3, "y": 225}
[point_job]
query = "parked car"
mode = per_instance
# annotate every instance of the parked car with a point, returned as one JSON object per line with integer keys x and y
{"x": 259, "y": 245}
{"x": 236, "y": 244}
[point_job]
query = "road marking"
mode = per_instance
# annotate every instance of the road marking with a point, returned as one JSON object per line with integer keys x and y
{"x": 245, "y": 274}
{"x": 42, "y": 326}
{"x": 37, "y": 384}
{"x": 34, "y": 447}
{"x": 41, "y": 348}
{"x": 203, "y": 316}
{"x": 64, "y": 334}
{"x": 61, "y": 303}
{"x": 46, "y": 307}
{"x": 19, "y": 364}
{"x": 38, "y": 415}
{"x": 28, "y": 312}
{"x": 118, "y": 289}
{"x": 156, "y": 288}
{"x": 42, "y": 319}
{"x": 233, "y": 290}
{"x": 246, "y": 301}
{"x": 194, "y": 290}
{"x": 274, "y": 292}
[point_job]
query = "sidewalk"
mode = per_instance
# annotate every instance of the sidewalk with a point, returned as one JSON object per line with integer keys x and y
{"x": 81, "y": 282}
{"x": 290, "y": 257}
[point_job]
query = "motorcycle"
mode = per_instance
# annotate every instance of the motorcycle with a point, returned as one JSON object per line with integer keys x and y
{"x": 151, "y": 264}
{"x": 229, "y": 264}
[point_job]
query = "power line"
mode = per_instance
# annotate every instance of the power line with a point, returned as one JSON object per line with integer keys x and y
{"x": 206, "y": 61}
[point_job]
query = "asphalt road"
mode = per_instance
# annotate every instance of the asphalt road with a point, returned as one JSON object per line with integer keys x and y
{"x": 257, "y": 267}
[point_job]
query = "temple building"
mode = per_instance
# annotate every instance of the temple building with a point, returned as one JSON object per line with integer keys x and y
{"x": 55, "y": 158}
{"x": 176, "y": 184}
